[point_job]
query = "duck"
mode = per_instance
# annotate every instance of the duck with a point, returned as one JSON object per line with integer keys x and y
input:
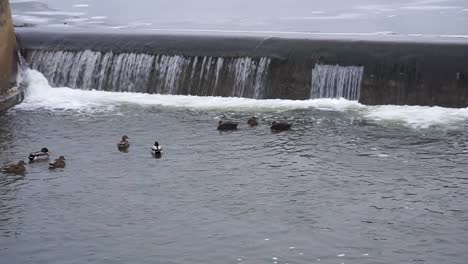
{"x": 15, "y": 168}
{"x": 156, "y": 149}
{"x": 123, "y": 144}
{"x": 39, "y": 155}
{"x": 58, "y": 163}
{"x": 227, "y": 125}
{"x": 252, "y": 121}
{"x": 280, "y": 126}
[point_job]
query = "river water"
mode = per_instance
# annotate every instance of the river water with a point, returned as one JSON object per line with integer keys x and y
{"x": 349, "y": 184}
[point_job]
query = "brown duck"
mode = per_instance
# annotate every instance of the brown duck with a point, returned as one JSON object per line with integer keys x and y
{"x": 58, "y": 163}
{"x": 252, "y": 121}
{"x": 227, "y": 125}
{"x": 15, "y": 168}
{"x": 279, "y": 126}
{"x": 123, "y": 144}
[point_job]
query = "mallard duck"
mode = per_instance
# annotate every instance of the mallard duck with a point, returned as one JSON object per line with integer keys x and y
{"x": 39, "y": 155}
{"x": 278, "y": 126}
{"x": 123, "y": 144}
{"x": 58, "y": 163}
{"x": 252, "y": 121}
{"x": 156, "y": 149}
{"x": 15, "y": 168}
{"x": 227, "y": 125}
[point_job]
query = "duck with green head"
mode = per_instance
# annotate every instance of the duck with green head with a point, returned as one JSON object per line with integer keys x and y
{"x": 39, "y": 155}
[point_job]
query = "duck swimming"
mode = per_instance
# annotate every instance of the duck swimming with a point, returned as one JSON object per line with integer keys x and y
{"x": 39, "y": 155}
{"x": 227, "y": 125}
{"x": 279, "y": 126}
{"x": 156, "y": 149}
{"x": 15, "y": 168}
{"x": 58, "y": 163}
{"x": 252, "y": 121}
{"x": 123, "y": 144}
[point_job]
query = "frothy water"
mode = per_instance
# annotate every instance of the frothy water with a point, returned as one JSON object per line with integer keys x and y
{"x": 41, "y": 95}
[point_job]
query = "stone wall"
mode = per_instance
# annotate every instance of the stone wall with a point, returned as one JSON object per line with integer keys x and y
{"x": 8, "y": 58}
{"x": 10, "y": 95}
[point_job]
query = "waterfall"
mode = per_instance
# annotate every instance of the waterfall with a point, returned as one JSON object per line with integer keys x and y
{"x": 161, "y": 74}
{"x": 334, "y": 81}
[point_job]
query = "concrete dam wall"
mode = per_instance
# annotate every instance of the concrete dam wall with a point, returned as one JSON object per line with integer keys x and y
{"x": 9, "y": 94}
{"x": 394, "y": 70}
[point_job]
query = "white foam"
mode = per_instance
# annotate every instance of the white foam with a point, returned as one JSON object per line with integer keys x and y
{"x": 454, "y": 36}
{"x": 418, "y": 116}
{"x": 425, "y": 2}
{"x": 98, "y": 17}
{"x": 55, "y": 13}
{"x": 331, "y": 17}
{"x": 30, "y": 19}
{"x": 428, "y": 7}
{"x": 377, "y": 7}
{"x": 41, "y": 95}
{"x": 81, "y": 19}
{"x": 139, "y": 24}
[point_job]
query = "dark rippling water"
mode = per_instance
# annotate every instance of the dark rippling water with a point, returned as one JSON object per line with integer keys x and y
{"x": 336, "y": 189}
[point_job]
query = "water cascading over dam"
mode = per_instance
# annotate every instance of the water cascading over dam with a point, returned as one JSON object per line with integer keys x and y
{"x": 202, "y": 76}
{"x": 162, "y": 74}
{"x": 395, "y": 70}
{"x": 334, "y": 81}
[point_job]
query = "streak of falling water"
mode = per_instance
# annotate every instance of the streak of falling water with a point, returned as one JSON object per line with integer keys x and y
{"x": 164, "y": 74}
{"x": 334, "y": 81}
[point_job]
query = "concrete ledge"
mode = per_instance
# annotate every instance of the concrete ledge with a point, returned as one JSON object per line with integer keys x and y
{"x": 13, "y": 97}
{"x": 189, "y": 43}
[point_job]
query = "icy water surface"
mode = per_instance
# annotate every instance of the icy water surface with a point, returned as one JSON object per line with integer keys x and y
{"x": 428, "y": 17}
{"x": 349, "y": 183}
